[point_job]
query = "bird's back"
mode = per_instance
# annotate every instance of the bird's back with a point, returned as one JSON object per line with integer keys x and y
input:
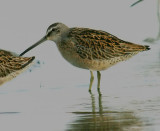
{"x": 97, "y": 44}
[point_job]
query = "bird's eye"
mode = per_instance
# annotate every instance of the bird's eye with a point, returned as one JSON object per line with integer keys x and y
{"x": 53, "y": 29}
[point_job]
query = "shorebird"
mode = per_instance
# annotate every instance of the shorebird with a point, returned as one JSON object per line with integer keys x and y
{"x": 95, "y": 50}
{"x": 11, "y": 65}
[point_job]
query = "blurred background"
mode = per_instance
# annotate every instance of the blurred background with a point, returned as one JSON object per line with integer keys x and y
{"x": 53, "y": 95}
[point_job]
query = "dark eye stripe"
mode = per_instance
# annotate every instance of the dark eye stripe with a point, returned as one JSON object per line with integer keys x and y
{"x": 53, "y": 29}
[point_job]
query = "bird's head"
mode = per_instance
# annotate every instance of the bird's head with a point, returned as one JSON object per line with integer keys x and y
{"x": 54, "y": 33}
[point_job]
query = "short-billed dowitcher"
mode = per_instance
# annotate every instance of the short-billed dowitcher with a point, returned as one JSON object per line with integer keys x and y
{"x": 11, "y": 65}
{"x": 90, "y": 49}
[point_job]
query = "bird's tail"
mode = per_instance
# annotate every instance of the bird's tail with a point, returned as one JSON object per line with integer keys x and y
{"x": 20, "y": 64}
{"x": 147, "y": 47}
{"x": 26, "y": 61}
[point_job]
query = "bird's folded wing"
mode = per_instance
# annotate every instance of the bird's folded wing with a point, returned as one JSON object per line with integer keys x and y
{"x": 10, "y": 64}
{"x": 96, "y": 44}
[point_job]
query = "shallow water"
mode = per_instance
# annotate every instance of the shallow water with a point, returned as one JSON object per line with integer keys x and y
{"x": 129, "y": 99}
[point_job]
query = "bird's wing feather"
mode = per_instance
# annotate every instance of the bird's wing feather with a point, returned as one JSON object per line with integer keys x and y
{"x": 96, "y": 44}
{"x": 10, "y": 63}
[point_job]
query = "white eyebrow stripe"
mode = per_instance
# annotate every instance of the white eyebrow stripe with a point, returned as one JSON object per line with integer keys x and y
{"x": 50, "y": 30}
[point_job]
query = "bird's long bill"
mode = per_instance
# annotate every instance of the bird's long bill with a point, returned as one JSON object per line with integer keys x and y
{"x": 34, "y": 45}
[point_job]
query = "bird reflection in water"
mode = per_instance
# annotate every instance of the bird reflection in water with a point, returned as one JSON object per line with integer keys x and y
{"x": 104, "y": 120}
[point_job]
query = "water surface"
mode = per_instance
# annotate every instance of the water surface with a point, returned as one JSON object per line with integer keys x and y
{"x": 129, "y": 100}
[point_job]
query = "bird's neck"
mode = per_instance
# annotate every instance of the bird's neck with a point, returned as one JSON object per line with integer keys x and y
{"x": 61, "y": 37}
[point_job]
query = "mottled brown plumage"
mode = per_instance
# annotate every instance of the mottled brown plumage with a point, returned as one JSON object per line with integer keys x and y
{"x": 99, "y": 45}
{"x": 11, "y": 65}
{"x": 90, "y": 49}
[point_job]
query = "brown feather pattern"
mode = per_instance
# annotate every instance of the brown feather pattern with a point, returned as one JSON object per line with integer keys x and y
{"x": 96, "y": 44}
{"x": 10, "y": 63}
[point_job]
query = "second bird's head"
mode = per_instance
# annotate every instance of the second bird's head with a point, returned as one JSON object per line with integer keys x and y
{"x": 54, "y": 33}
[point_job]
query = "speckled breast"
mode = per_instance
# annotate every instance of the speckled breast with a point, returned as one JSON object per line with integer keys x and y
{"x": 73, "y": 58}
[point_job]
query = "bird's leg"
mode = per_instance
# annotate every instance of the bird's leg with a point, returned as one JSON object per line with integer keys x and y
{"x": 91, "y": 81}
{"x": 99, "y": 79}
